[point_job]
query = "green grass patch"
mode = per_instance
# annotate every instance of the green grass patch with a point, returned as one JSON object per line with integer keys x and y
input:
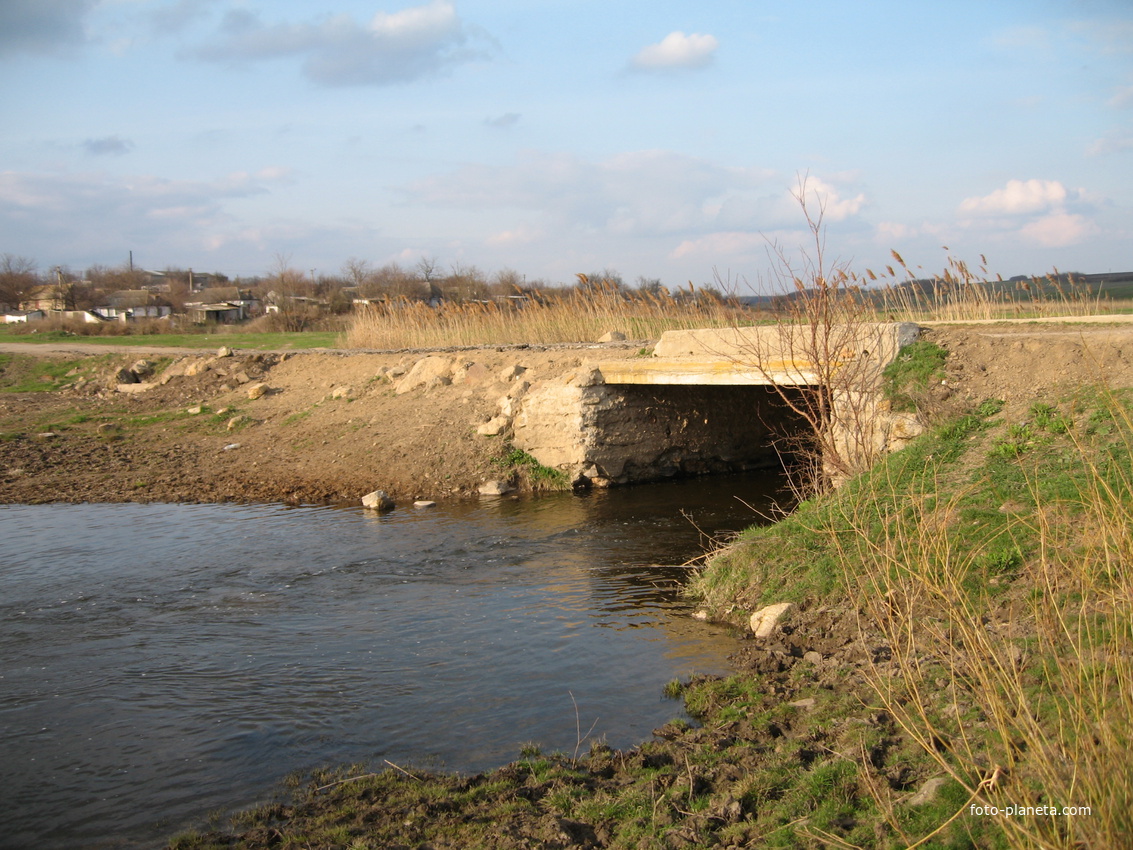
{"x": 257, "y": 341}
{"x": 908, "y": 377}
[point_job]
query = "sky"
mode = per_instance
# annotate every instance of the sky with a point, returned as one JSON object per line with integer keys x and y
{"x": 659, "y": 139}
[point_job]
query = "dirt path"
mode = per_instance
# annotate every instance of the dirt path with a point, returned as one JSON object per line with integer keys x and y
{"x": 334, "y": 425}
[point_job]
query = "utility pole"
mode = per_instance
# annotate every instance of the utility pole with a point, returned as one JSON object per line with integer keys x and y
{"x": 131, "y": 262}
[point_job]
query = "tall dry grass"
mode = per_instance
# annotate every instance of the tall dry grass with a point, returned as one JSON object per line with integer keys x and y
{"x": 1025, "y": 698}
{"x": 554, "y": 316}
{"x": 960, "y": 294}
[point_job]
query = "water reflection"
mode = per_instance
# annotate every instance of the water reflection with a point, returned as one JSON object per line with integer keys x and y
{"x": 161, "y": 661}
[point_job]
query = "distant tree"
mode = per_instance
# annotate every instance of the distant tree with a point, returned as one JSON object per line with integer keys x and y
{"x": 607, "y": 279}
{"x": 465, "y": 283}
{"x": 358, "y": 273}
{"x": 18, "y": 277}
{"x": 651, "y": 286}
{"x": 395, "y": 282}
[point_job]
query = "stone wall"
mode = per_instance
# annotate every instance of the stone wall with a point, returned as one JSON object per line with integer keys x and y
{"x": 604, "y": 434}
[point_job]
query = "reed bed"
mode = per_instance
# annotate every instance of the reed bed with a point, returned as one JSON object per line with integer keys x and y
{"x": 962, "y": 294}
{"x": 552, "y": 317}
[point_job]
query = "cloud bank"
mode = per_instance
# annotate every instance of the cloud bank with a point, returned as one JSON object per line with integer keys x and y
{"x": 41, "y": 26}
{"x": 398, "y": 47}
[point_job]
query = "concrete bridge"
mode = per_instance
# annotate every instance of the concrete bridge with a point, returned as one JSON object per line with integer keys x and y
{"x": 714, "y": 401}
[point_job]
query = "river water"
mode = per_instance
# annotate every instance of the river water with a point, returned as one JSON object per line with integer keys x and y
{"x": 160, "y": 662}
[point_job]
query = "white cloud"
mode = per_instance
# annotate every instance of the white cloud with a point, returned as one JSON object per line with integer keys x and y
{"x": 1113, "y": 143}
{"x": 1122, "y": 98}
{"x": 1059, "y": 230}
{"x": 722, "y": 244}
{"x": 637, "y": 193}
{"x": 86, "y": 213}
{"x": 413, "y": 43}
{"x": 822, "y": 197}
{"x": 1018, "y": 197}
{"x": 677, "y": 50}
{"x": 521, "y": 235}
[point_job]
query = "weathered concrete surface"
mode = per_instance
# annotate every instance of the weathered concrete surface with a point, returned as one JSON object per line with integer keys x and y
{"x": 604, "y": 434}
{"x": 770, "y": 354}
{"x": 707, "y": 401}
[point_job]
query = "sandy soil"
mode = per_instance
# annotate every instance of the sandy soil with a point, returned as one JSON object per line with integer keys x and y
{"x": 331, "y": 427}
{"x": 300, "y": 443}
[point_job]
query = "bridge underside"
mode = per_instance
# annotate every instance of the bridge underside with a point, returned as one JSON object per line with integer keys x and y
{"x": 647, "y": 432}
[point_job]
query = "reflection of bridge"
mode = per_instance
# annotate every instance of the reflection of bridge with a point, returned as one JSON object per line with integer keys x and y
{"x": 709, "y": 401}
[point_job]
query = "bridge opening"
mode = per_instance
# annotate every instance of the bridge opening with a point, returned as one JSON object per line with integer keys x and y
{"x": 651, "y": 432}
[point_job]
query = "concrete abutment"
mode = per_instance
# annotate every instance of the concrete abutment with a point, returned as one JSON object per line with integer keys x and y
{"x": 704, "y": 403}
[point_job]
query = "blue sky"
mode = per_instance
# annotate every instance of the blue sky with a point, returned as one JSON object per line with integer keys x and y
{"x": 660, "y": 139}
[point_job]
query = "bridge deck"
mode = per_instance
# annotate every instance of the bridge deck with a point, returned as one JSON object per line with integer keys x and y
{"x": 707, "y": 372}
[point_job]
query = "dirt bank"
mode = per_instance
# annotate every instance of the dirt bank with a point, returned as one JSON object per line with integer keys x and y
{"x": 332, "y": 426}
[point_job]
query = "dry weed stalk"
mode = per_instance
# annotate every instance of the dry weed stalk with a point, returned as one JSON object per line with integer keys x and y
{"x": 1027, "y": 702}
{"x": 821, "y": 358}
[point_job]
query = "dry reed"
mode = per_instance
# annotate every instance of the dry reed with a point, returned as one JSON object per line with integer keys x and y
{"x": 551, "y": 317}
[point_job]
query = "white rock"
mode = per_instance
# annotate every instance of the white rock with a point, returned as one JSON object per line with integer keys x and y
{"x": 224, "y": 351}
{"x": 765, "y": 620}
{"x": 494, "y": 426}
{"x": 494, "y": 488}
{"x": 424, "y": 503}
{"x": 256, "y": 391}
{"x": 425, "y": 372}
{"x": 378, "y": 500}
{"x": 927, "y": 792}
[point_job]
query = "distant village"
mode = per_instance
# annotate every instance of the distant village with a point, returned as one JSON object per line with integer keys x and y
{"x": 185, "y": 297}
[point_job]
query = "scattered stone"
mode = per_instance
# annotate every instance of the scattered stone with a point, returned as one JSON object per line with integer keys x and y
{"x": 195, "y": 410}
{"x": 494, "y": 426}
{"x": 224, "y": 351}
{"x": 512, "y": 372}
{"x": 142, "y": 369}
{"x": 197, "y": 367}
{"x": 242, "y": 377}
{"x": 928, "y": 791}
{"x": 134, "y": 388}
{"x": 378, "y": 500}
{"x": 340, "y": 392}
{"x": 46, "y": 435}
{"x": 426, "y": 372}
{"x": 494, "y": 488}
{"x": 813, "y": 657}
{"x": 808, "y": 703}
{"x": 231, "y": 447}
{"x": 238, "y": 422}
{"x": 108, "y": 428}
{"x": 765, "y": 620}
{"x": 471, "y": 374}
{"x": 612, "y": 336}
{"x": 256, "y": 391}
{"x": 700, "y": 615}
{"x": 424, "y": 503}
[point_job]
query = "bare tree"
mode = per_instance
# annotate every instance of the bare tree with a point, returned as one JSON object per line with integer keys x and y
{"x": 823, "y": 356}
{"x": 18, "y": 278}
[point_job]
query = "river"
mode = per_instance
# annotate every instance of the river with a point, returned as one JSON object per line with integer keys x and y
{"x": 159, "y": 662}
